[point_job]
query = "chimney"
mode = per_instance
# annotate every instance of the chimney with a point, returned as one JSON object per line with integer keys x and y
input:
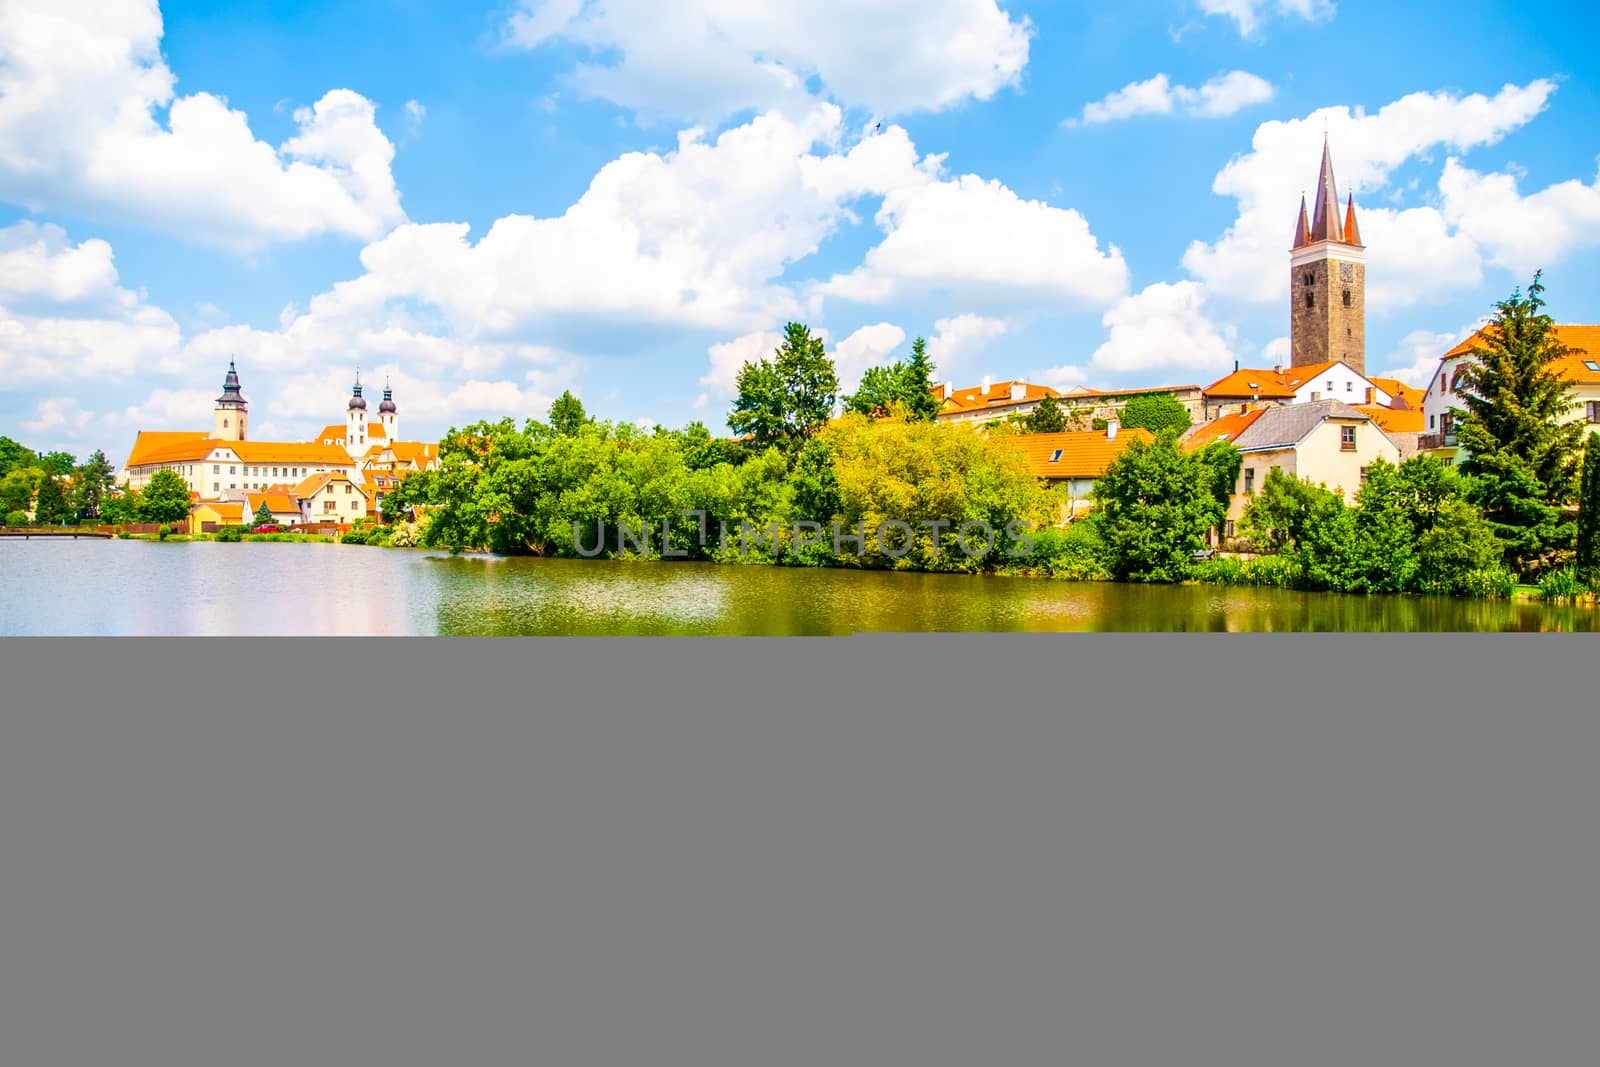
{"x": 1019, "y": 390}
{"x": 985, "y": 390}
{"x": 949, "y": 390}
{"x": 1236, "y": 366}
{"x": 1371, "y": 394}
{"x": 1111, "y": 429}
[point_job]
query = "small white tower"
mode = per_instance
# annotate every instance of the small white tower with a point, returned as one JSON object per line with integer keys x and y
{"x": 388, "y": 415}
{"x": 229, "y": 421}
{"x": 355, "y": 422}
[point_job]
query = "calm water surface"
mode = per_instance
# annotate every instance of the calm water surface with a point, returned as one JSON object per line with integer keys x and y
{"x": 143, "y": 587}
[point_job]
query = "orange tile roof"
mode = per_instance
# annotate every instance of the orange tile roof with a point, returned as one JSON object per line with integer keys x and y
{"x": 311, "y": 485}
{"x": 1583, "y": 340}
{"x": 225, "y": 510}
{"x": 999, "y": 395}
{"x": 1295, "y": 377}
{"x": 419, "y": 452}
{"x": 1400, "y": 391}
{"x": 277, "y": 502}
{"x": 149, "y": 441}
{"x": 334, "y": 432}
{"x": 1251, "y": 383}
{"x": 1084, "y": 453}
{"x": 289, "y": 452}
{"x": 1393, "y": 420}
{"x": 1227, "y": 428}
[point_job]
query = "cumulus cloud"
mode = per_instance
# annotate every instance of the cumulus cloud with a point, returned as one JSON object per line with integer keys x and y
{"x": 1249, "y": 15}
{"x": 977, "y": 241}
{"x": 81, "y": 86}
{"x": 960, "y": 337}
{"x": 1246, "y": 263}
{"x": 1521, "y": 233}
{"x": 1219, "y": 97}
{"x": 1164, "y": 326}
{"x": 870, "y": 346}
{"x": 729, "y": 357}
{"x": 707, "y": 59}
{"x": 58, "y": 418}
{"x": 1065, "y": 376}
{"x": 1415, "y": 358}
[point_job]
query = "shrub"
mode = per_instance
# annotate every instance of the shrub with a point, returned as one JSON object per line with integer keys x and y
{"x": 1560, "y": 586}
{"x": 403, "y": 535}
{"x": 1494, "y": 582}
{"x": 229, "y": 534}
{"x": 164, "y": 532}
{"x": 1275, "y": 572}
{"x": 123, "y": 535}
{"x": 1076, "y": 553}
{"x": 16, "y": 518}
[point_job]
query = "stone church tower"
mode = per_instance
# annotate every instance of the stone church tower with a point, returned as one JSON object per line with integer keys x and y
{"x": 232, "y": 415}
{"x": 1327, "y": 280}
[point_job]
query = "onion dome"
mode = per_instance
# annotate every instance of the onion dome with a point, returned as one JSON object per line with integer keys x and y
{"x": 386, "y": 407}
{"x": 356, "y": 402}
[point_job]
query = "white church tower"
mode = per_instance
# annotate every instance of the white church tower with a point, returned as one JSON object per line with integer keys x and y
{"x": 389, "y": 415}
{"x": 355, "y": 422}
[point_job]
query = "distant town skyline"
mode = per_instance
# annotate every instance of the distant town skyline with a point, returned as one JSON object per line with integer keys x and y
{"x": 491, "y": 205}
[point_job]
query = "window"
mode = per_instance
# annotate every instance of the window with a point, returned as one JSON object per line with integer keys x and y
{"x": 1363, "y": 476}
{"x": 1347, "y": 438}
{"x": 1446, "y": 461}
{"x": 1311, "y": 299}
{"x": 216, "y": 468}
{"x": 233, "y": 470}
{"x": 328, "y": 506}
{"x": 1055, "y": 457}
{"x": 1348, "y": 302}
{"x": 1330, "y": 385}
{"x": 1591, "y": 364}
{"x": 1249, "y": 480}
{"x": 215, "y": 487}
{"x": 1430, "y": 421}
{"x": 1316, "y": 396}
{"x": 1594, "y": 411}
{"x": 1349, "y": 387}
{"x": 224, "y": 424}
{"x": 348, "y": 488}
{"x": 1228, "y": 529}
{"x": 1310, "y": 279}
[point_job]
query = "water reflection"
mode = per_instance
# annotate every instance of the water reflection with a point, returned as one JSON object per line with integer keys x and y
{"x": 131, "y": 587}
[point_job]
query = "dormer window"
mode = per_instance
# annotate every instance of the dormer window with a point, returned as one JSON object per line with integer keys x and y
{"x": 1055, "y": 457}
{"x": 1591, "y": 364}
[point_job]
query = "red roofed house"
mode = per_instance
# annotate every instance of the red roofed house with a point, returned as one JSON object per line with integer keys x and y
{"x": 1075, "y": 459}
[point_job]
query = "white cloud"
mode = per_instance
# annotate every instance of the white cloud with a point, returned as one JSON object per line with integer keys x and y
{"x": 415, "y": 113}
{"x": 1250, "y": 14}
{"x": 959, "y": 338}
{"x": 870, "y": 346}
{"x": 1277, "y": 351}
{"x": 81, "y": 85}
{"x": 1219, "y": 97}
{"x": 1247, "y": 262}
{"x": 729, "y": 357}
{"x": 1065, "y": 376}
{"x": 59, "y": 418}
{"x": 978, "y": 242}
{"x": 1164, "y": 326}
{"x": 63, "y": 317}
{"x": 1521, "y": 233}
{"x": 708, "y": 59}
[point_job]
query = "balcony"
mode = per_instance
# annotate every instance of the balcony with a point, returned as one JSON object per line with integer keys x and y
{"x": 1442, "y": 439}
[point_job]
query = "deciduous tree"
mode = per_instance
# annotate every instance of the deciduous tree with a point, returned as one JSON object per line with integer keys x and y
{"x": 165, "y": 498}
{"x": 789, "y": 397}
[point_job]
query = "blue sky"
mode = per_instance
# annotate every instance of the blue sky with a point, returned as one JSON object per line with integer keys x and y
{"x": 489, "y": 205}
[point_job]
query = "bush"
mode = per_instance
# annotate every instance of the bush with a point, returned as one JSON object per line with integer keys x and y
{"x": 403, "y": 535}
{"x": 1560, "y": 587}
{"x": 229, "y": 534}
{"x": 16, "y": 518}
{"x": 1076, "y": 553}
{"x": 1274, "y": 572}
{"x": 123, "y": 535}
{"x": 164, "y": 532}
{"x": 1494, "y": 582}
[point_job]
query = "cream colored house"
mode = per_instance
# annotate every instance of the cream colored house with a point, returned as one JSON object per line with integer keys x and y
{"x": 1326, "y": 442}
{"x": 332, "y": 497}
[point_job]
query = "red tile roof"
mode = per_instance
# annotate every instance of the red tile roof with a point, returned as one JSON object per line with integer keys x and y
{"x": 1583, "y": 340}
{"x": 151, "y": 441}
{"x": 1400, "y": 391}
{"x": 1268, "y": 384}
{"x": 999, "y": 395}
{"x": 1227, "y": 428}
{"x": 1083, "y": 453}
{"x": 1393, "y": 420}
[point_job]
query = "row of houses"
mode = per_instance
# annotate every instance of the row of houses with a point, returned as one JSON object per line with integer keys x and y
{"x": 1326, "y": 423}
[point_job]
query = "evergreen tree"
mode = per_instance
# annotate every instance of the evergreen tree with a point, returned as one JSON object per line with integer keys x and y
{"x": 90, "y": 483}
{"x": 1522, "y": 460}
{"x": 567, "y": 416}
{"x": 1046, "y": 418}
{"x": 264, "y": 515}
{"x": 790, "y": 396}
{"x": 50, "y": 505}
{"x": 919, "y": 385}
{"x": 1588, "y": 553}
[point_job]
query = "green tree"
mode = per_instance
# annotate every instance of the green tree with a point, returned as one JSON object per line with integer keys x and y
{"x": 14, "y": 456}
{"x": 1383, "y": 549}
{"x": 1047, "y": 417}
{"x": 50, "y": 505}
{"x": 1155, "y": 503}
{"x": 165, "y": 498}
{"x": 789, "y": 397}
{"x": 922, "y": 401}
{"x": 59, "y": 464}
{"x": 1160, "y": 413}
{"x": 1588, "y": 542}
{"x": 1523, "y": 462}
{"x": 90, "y": 483}
{"x": 264, "y": 515}
{"x": 119, "y": 507}
{"x": 17, "y": 488}
{"x": 567, "y": 416}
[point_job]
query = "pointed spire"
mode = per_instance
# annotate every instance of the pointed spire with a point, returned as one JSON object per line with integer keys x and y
{"x": 356, "y": 403}
{"x": 1302, "y": 227}
{"x": 1325, "y": 214}
{"x": 1352, "y": 235}
{"x": 230, "y": 386}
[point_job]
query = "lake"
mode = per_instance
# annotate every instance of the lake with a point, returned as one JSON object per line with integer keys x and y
{"x": 181, "y": 588}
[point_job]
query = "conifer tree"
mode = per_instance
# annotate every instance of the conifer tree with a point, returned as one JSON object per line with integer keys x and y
{"x": 1588, "y": 554}
{"x": 1522, "y": 459}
